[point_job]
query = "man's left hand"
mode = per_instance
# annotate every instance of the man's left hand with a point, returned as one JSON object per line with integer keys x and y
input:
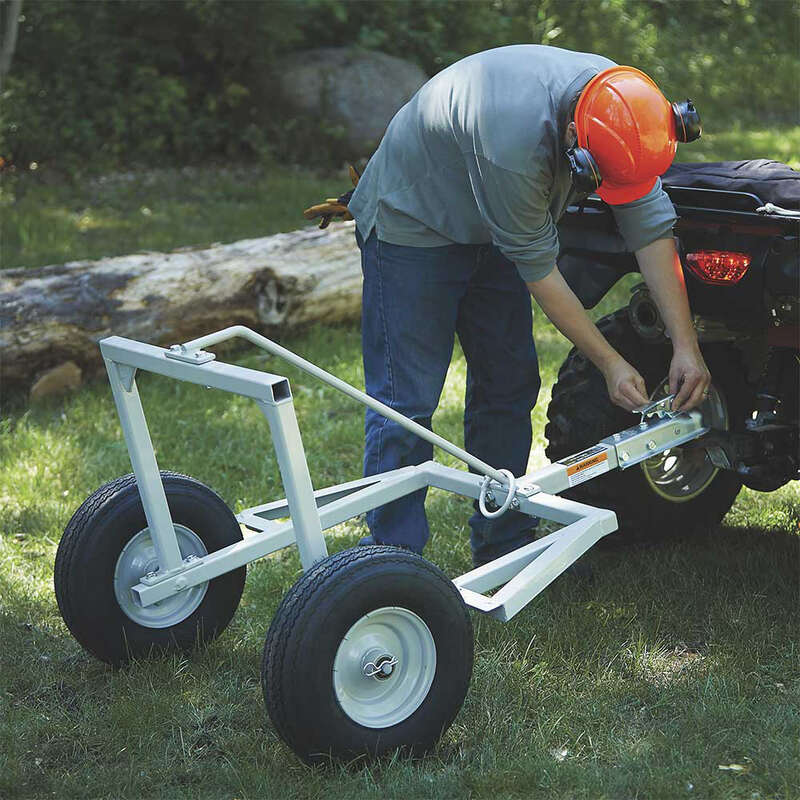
{"x": 689, "y": 378}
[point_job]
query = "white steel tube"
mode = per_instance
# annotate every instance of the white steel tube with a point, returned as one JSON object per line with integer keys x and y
{"x": 145, "y": 468}
{"x": 337, "y": 383}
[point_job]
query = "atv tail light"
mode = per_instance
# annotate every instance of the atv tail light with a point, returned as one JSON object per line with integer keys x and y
{"x": 718, "y": 266}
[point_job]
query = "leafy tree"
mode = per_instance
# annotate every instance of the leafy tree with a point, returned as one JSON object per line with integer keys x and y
{"x": 147, "y": 80}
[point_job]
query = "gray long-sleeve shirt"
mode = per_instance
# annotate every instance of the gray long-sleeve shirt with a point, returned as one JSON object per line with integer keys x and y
{"x": 477, "y": 156}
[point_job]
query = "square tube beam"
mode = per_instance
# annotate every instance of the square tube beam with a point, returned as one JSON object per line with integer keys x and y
{"x": 374, "y": 494}
{"x": 228, "y": 377}
{"x": 145, "y": 467}
{"x": 296, "y": 481}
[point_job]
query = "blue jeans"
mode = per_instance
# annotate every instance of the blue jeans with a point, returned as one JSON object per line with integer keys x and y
{"x": 415, "y": 299}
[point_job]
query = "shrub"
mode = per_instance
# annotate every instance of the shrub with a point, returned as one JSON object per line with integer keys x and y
{"x": 108, "y": 82}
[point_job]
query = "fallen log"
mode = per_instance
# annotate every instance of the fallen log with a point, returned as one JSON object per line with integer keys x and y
{"x": 53, "y": 315}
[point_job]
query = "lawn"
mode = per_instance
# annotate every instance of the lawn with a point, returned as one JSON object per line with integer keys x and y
{"x": 674, "y": 673}
{"x": 47, "y": 219}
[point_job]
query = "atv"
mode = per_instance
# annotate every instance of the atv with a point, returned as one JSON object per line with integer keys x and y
{"x": 738, "y": 236}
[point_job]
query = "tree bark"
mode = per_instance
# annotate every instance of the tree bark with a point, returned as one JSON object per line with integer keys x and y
{"x": 9, "y": 44}
{"x": 51, "y": 315}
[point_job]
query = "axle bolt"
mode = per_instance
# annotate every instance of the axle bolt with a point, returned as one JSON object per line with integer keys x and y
{"x": 623, "y": 456}
{"x": 651, "y": 445}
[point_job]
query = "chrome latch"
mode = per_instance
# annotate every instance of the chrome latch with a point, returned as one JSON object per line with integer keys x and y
{"x": 658, "y": 408}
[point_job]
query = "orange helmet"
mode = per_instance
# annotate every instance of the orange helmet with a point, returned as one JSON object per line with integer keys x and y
{"x": 628, "y": 126}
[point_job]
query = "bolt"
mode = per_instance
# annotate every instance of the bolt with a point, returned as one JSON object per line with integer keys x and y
{"x": 180, "y": 583}
{"x": 515, "y": 503}
{"x": 676, "y": 431}
{"x": 651, "y": 445}
{"x": 624, "y": 456}
{"x": 190, "y": 558}
{"x": 150, "y": 576}
{"x": 490, "y": 497}
{"x": 643, "y": 425}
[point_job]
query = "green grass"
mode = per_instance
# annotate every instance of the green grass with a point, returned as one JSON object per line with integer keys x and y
{"x": 676, "y": 659}
{"x": 738, "y": 144}
{"x": 46, "y": 220}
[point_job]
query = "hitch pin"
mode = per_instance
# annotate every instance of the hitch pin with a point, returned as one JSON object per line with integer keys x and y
{"x": 658, "y": 408}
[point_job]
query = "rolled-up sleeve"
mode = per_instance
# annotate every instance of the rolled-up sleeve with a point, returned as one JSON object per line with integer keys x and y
{"x": 644, "y": 220}
{"x": 515, "y": 210}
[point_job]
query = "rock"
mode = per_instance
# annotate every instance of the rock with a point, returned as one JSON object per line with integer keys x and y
{"x": 57, "y": 380}
{"x": 360, "y": 89}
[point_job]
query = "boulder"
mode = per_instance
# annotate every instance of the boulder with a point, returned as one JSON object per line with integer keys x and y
{"x": 359, "y": 89}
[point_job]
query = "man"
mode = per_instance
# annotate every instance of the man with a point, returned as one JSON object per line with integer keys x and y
{"x": 455, "y": 217}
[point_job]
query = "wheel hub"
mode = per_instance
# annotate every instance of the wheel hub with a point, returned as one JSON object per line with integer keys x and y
{"x": 682, "y": 473}
{"x": 138, "y": 558}
{"x": 384, "y": 667}
{"x": 379, "y": 667}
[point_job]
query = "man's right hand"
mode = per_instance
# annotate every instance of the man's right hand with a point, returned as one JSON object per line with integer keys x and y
{"x": 626, "y": 386}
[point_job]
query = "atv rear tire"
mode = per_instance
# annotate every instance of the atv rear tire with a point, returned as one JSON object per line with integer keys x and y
{"x": 581, "y": 413}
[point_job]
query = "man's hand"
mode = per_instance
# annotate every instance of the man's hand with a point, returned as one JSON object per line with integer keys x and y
{"x": 689, "y": 378}
{"x": 626, "y": 386}
{"x": 688, "y": 375}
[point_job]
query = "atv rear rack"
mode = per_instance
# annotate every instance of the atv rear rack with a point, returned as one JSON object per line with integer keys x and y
{"x": 522, "y": 574}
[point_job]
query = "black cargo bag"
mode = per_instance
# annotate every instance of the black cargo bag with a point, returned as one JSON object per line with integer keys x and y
{"x": 771, "y": 181}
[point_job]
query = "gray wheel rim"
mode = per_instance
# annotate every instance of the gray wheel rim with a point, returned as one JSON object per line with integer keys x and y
{"x": 137, "y": 558}
{"x": 384, "y": 667}
{"x": 682, "y": 473}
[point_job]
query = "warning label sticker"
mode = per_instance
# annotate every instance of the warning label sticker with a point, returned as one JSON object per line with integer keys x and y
{"x": 587, "y": 464}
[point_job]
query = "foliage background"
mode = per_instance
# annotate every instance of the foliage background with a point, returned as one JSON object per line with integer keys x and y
{"x": 102, "y": 83}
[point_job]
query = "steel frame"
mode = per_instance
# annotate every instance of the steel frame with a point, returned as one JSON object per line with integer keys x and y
{"x": 522, "y": 574}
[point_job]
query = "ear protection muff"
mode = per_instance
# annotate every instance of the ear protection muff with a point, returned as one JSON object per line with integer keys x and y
{"x": 583, "y": 168}
{"x": 687, "y": 121}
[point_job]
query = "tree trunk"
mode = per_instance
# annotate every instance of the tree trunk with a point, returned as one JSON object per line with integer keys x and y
{"x": 9, "y": 44}
{"x": 52, "y": 315}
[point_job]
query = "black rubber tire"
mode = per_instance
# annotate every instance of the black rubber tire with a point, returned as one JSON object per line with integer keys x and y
{"x": 581, "y": 413}
{"x": 87, "y": 557}
{"x": 313, "y": 619}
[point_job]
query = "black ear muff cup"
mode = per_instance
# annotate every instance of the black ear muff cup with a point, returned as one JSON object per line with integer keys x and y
{"x": 687, "y": 121}
{"x": 585, "y": 173}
